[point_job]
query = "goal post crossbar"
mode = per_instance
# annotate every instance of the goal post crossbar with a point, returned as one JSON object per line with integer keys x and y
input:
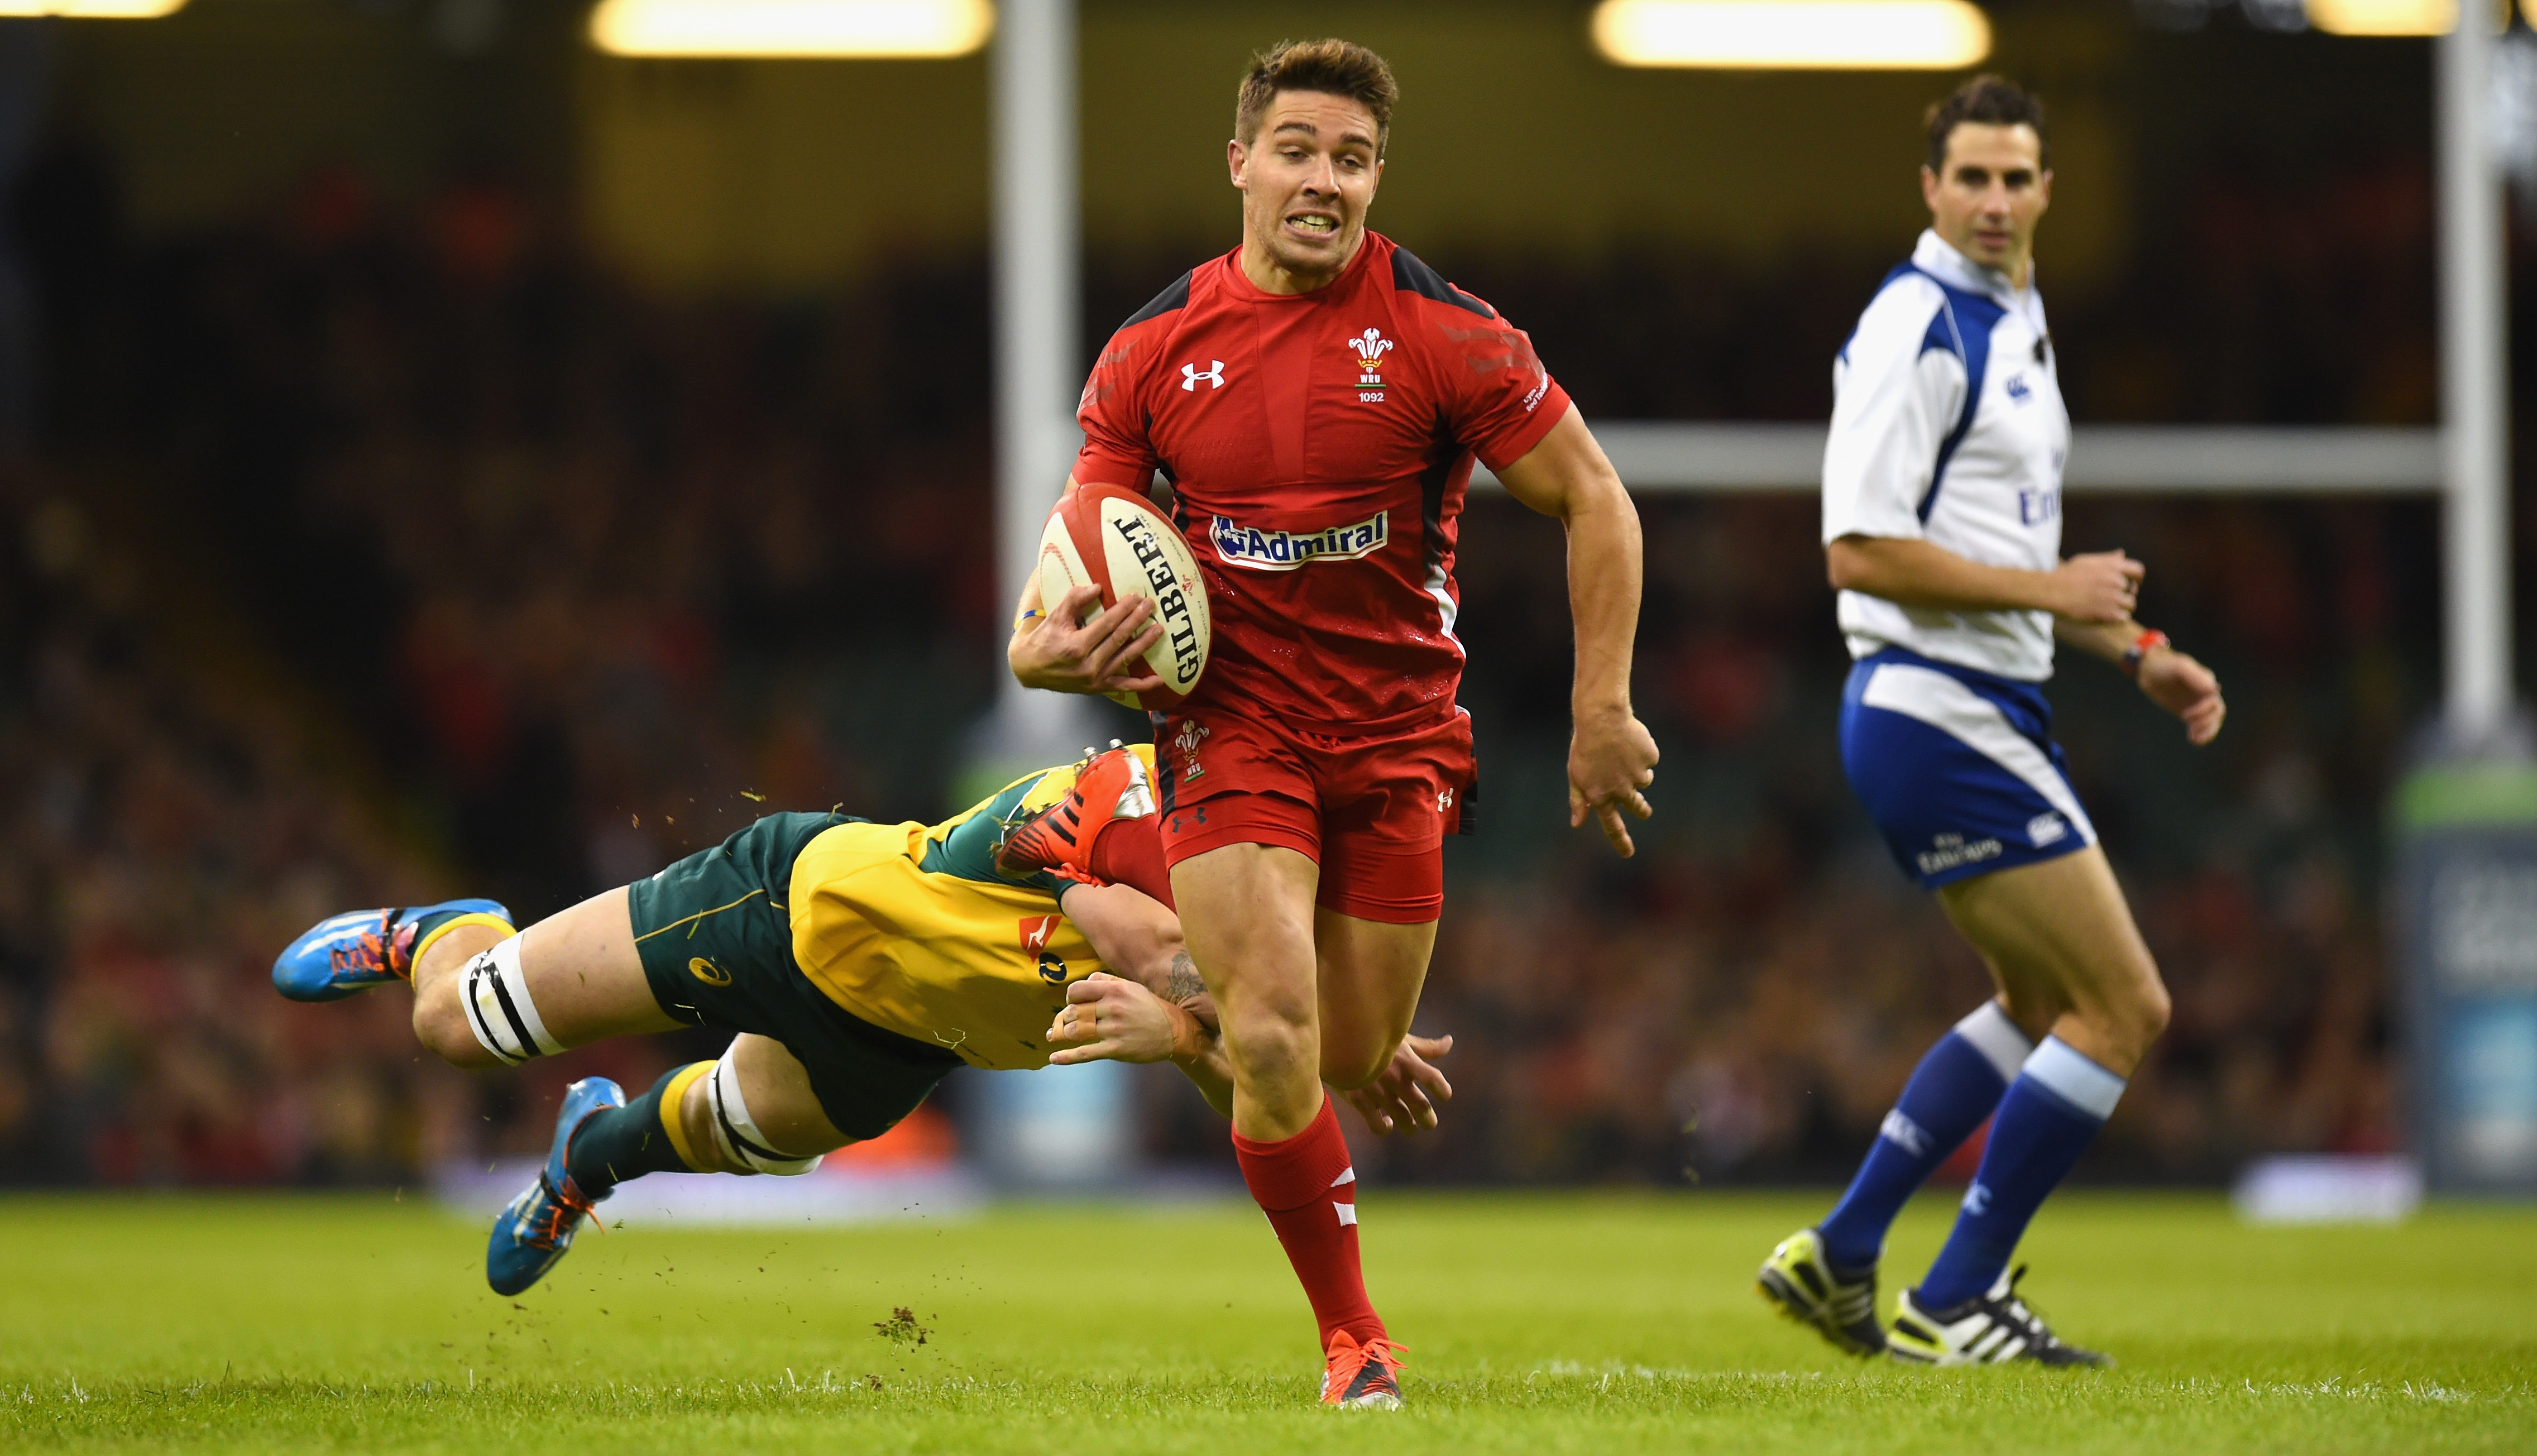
{"x": 1678, "y": 458}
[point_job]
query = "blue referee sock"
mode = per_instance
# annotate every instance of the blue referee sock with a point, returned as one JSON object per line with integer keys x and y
{"x": 2049, "y": 1117}
{"x": 1955, "y": 1086}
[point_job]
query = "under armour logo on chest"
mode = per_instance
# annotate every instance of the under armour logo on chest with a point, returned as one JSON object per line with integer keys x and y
{"x": 1213, "y": 375}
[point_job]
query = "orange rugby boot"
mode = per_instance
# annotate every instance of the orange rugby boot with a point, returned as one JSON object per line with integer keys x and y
{"x": 1109, "y": 785}
{"x": 1362, "y": 1377}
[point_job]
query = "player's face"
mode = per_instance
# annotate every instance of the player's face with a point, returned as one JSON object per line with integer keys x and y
{"x": 1306, "y": 178}
{"x": 1991, "y": 194}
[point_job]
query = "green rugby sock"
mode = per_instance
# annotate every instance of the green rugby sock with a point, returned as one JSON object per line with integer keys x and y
{"x": 644, "y": 1135}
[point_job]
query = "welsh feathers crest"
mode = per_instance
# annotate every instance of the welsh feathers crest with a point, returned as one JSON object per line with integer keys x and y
{"x": 1370, "y": 345}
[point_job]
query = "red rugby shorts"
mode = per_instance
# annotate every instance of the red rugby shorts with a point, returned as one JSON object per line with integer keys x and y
{"x": 1372, "y": 812}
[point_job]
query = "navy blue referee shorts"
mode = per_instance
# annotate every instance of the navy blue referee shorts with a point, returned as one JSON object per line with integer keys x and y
{"x": 1958, "y": 767}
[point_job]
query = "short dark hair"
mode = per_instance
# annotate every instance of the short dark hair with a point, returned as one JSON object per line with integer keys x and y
{"x": 1989, "y": 101}
{"x": 1338, "y": 68}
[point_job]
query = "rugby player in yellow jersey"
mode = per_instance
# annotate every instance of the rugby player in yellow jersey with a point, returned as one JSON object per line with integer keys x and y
{"x": 860, "y": 962}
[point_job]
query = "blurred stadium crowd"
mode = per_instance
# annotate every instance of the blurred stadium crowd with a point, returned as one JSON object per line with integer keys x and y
{"x": 362, "y": 553}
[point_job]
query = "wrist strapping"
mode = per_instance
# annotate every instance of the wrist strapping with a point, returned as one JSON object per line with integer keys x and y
{"x": 2140, "y": 649}
{"x": 1189, "y": 1039}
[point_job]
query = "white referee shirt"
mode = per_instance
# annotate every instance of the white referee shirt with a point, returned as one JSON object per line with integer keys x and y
{"x": 1948, "y": 427}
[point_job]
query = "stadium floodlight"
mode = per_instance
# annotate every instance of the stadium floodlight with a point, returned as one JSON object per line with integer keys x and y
{"x": 1794, "y": 35}
{"x": 2383, "y": 17}
{"x": 91, "y": 10}
{"x": 2403, "y": 17}
{"x": 799, "y": 29}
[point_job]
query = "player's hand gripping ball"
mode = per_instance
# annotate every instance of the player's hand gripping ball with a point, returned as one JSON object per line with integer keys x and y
{"x": 1113, "y": 538}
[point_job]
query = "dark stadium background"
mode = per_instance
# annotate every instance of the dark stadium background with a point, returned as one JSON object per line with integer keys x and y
{"x": 405, "y": 489}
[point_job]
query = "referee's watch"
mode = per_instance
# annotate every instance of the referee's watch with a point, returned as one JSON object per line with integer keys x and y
{"x": 2140, "y": 649}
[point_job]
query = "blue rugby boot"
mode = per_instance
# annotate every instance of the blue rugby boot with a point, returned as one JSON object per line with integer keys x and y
{"x": 532, "y": 1233}
{"x": 345, "y": 955}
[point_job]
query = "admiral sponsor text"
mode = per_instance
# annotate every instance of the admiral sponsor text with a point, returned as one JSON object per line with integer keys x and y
{"x": 1238, "y": 545}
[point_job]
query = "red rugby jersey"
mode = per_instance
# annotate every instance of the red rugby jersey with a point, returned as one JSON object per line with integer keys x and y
{"x": 1321, "y": 444}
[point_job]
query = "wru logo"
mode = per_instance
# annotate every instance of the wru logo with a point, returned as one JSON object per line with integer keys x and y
{"x": 1370, "y": 348}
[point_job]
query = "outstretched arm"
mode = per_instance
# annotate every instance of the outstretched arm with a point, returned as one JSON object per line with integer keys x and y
{"x": 1111, "y": 1018}
{"x": 1610, "y": 754}
{"x": 1155, "y": 1009}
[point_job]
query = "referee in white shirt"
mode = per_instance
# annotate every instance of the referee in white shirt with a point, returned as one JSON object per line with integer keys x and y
{"x": 1942, "y": 529}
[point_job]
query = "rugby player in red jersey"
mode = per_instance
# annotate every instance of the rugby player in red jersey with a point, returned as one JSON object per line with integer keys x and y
{"x": 1315, "y": 399}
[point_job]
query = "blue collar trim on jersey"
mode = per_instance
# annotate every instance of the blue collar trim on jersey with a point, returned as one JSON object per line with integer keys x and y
{"x": 1962, "y": 327}
{"x": 1938, "y": 258}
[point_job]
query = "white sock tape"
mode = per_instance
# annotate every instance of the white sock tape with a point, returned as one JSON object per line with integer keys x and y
{"x": 2068, "y": 1074}
{"x": 1998, "y": 1038}
{"x": 495, "y": 992}
{"x": 736, "y": 1134}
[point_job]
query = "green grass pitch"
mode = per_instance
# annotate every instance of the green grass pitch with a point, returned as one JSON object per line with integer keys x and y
{"x": 1588, "y": 1323}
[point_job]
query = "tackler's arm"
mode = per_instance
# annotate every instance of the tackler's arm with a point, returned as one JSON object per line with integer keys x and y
{"x": 1155, "y": 1009}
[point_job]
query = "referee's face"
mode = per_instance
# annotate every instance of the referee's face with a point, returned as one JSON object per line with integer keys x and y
{"x": 1992, "y": 193}
{"x": 1306, "y": 177}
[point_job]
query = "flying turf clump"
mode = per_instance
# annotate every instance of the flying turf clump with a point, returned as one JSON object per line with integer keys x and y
{"x": 901, "y": 1327}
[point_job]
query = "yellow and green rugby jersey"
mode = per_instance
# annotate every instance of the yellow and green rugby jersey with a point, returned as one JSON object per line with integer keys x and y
{"x": 909, "y": 927}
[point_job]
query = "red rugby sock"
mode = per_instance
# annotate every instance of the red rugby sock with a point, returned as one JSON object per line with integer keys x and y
{"x": 1307, "y": 1189}
{"x": 1129, "y": 853}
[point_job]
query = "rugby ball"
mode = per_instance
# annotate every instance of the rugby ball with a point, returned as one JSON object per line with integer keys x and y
{"x": 1113, "y": 538}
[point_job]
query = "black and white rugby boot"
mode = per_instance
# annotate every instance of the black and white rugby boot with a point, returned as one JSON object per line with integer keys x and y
{"x": 1989, "y": 1329}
